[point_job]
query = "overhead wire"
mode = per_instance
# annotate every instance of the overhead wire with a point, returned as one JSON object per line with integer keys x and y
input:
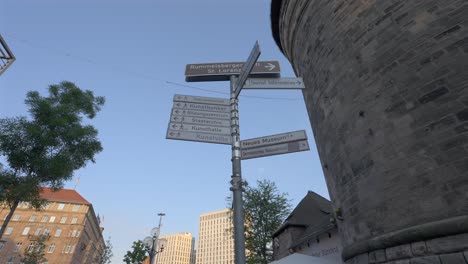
{"x": 137, "y": 74}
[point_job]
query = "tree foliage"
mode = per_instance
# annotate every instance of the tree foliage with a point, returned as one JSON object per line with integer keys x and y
{"x": 265, "y": 209}
{"x": 45, "y": 148}
{"x": 35, "y": 254}
{"x": 138, "y": 253}
{"x": 105, "y": 253}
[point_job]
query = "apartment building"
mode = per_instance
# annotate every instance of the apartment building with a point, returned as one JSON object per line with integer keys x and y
{"x": 216, "y": 242}
{"x": 67, "y": 222}
{"x": 178, "y": 249}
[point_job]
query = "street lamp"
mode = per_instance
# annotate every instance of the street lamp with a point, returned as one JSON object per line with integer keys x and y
{"x": 153, "y": 244}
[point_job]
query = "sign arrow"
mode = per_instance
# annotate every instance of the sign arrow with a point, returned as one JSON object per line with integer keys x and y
{"x": 270, "y": 66}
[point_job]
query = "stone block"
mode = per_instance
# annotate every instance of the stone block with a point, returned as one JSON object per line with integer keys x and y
{"x": 377, "y": 256}
{"x": 360, "y": 259}
{"x": 419, "y": 248}
{"x": 425, "y": 260}
{"x": 448, "y": 244}
{"x": 454, "y": 258}
{"x": 401, "y": 261}
{"x": 398, "y": 252}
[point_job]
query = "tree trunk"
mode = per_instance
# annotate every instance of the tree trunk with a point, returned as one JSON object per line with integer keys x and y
{"x": 8, "y": 218}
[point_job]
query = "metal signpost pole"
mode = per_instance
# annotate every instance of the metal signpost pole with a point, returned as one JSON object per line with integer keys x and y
{"x": 156, "y": 240}
{"x": 236, "y": 179}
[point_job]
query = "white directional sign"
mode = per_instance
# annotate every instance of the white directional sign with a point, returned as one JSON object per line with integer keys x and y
{"x": 274, "y": 83}
{"x": 273, "y": 139}
{"x": 198, "y": 137}
{"x": 200, "y": 129}
{"x": 248, "y": 66}
{"x": 200, "y": 99}
{"x": 283, "y": 148}
{"x": 202, "y": 107}
{"x": 202, "y": 114}
{"x": 200, "y": 121}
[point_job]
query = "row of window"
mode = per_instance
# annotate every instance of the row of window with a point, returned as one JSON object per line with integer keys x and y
{"x": 58, "y": 232}
{"x": 67, "y": 249}
{"x": 46, "y": 218}
{"x": 60, "y": 206}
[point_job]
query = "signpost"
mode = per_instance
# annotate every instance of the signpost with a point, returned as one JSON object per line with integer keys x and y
{"x": 221, "y": 71}
{"x": 216, "y": 120}
{"x": 274, "y": 83}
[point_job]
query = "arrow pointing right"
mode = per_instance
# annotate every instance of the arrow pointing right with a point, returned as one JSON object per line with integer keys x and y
{"x": 270, "y": 66}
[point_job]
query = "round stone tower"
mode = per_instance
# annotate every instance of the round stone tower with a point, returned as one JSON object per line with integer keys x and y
{"x": 387, "y": 97}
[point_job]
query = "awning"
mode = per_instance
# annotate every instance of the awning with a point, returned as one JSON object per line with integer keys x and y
{"x": 297, "y": 258}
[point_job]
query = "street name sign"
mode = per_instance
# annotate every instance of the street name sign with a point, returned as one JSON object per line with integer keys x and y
{"x": 274, "y": 83}
{"x": 273, "y": 139}
{"x": 200, "y": 121}
{"x": 221, "y": 71}
{"x": 198, "y": 137}
{"x": 278, "y": 149}
{"x": 201, "y": 114}
{"x": 246, "y": 69}
{"x": 200, "y": 99}
{"x": 202, "y": 107}
{"x": 200, "y": 129}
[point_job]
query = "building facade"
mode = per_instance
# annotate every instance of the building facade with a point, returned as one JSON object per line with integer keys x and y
{"x": 387, "y": 96}
{"x": 67, "y": 223}
{"x": 178, "y": 249}
{"x": 216, "y": 241}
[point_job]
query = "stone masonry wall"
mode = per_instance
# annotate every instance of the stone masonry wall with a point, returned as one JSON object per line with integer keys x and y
{"x": 387, "y": 97}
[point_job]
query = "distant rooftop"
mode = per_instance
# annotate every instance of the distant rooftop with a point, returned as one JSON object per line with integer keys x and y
{"x": 63, "y": 195}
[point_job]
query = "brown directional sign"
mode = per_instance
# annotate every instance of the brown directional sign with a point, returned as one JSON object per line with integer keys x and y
{"x": 221, "y": 71}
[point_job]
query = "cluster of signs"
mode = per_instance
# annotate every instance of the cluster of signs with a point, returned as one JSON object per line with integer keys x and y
{"x": 208, "y": 119}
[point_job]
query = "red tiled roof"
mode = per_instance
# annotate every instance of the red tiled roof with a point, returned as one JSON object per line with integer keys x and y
{"x": 63, "y": 195}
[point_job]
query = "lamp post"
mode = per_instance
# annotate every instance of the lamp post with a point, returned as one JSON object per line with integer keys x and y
{"x": 152, "y": 242}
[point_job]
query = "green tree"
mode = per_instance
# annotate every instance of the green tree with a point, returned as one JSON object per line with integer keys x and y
{"x": 105, "y": 253}
{"x": 138, "y": 253}
{"x": 35, "y": 254}
{"x": 45, "y": 148}
{"x": 265, "y": 209}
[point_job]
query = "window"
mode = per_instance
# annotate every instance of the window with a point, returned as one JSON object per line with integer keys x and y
{"x": 16, "y": 217}
{"x": 2, "y": 244}
{"x": 18, "y": 246}
{"x": 52, "y": 219}
{"x": 11, "y": 260}
{"x": 8, "y": 231}
{"x": 66, "y": 249}
{"x": 58, "y": 232}
{"x": 46, "y": 231}
{"x": 74, "y": 220}
{"x": 63, "y": 220}
{"x": 51, "y": 248}
{"x": 60, "y": 206}
{"x": 32, "y": 218}
{"x": 38, "y": 231}
{"x": 47, "y": 206}
{"x": 44, "y": 218}
{"x": 30, "y": 247}
{"x": 26, "y": 231}
{"x": 76, "y": 207}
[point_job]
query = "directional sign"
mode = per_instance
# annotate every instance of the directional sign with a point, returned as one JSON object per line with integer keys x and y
{"x": 283, "y": 148}
{"x": 198, "y": 137}
{"x": 247, "y": 68}
{"x": 200, "y": 129}
{"x": 274, "y": 83}
{"x": 200, "y": 99}
{"x": 273, "y": 139}
{"x": 200, "y": 121}
{"x": 202, "y": 114}
{"x": 221, "y": 71}
{"x": 202, "y": 107}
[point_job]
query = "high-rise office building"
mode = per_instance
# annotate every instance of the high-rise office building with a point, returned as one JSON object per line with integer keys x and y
{"x": 178, "y": 249}
{"x": 216, "y": 242}
{"x": 67, "y": 223}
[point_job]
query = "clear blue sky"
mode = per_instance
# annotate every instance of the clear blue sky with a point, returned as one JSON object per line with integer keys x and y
{"x": 132, "y": 52}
